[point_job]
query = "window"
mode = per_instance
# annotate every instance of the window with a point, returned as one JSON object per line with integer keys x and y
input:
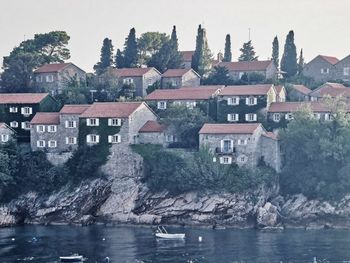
{"x": 114, "y": 138}
{"x": 40, "y": 144}
{"x": 26, "y": 111}
{"x": 92, "y": 122}
{"x": 14, "y": 124}
{"x": 250, "y": 117}
{"x": 92, "y": 138}
{"x": 71, "y": 140}
{"x": 71, "y": 124}
{"x": 4, "y": 137}
{"x": 232, "y": 117}
{"x": 170, "y": 138}
{"x": 226, "y": 160}
{"x": 161, "y": 105}
{"x": 233, "y": 101}
{"x": 40, "y": 128}
{"x": 173, "y": 83}
{"x": 242, "y": 141}
{"x": 346, "y": 72}
{"x": 313, "y": 98}
{"x": 251, "y": 101}
{"x": 25, "y": 125}
{"x": 13, "y": 109}
{"x": 38, "y": 78}
{"x": 324, "y": 70}
{"x": 52, "y": 128}
{"x": 276, "y": 117}
{"x": 190, "y": 104}
{"x": 317, "y": 116}
{"x": 327, "y": 117}
{"x": 128, "y": 81}
{"x": 49, "y": 78}
{"x": 52, "y": 144}
{"x": 289, "y": 116}
{"x": 240, "y": 75}
{"x": 242, "y": 159}
{"x": 114, "y": 122}
{"x": 227, "y": 146}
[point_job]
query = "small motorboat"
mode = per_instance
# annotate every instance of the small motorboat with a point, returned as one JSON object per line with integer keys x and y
{"x": 72, "y": 259}
{"x": 162, "y": 233}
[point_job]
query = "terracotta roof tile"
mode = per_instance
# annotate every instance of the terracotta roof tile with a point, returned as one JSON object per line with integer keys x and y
{"x": 51, "y": 68}
{"x": 332, "y": 89}
{"x": 74, "y": 108}
{"x": 279, "y": 88}
{"x": 237, "y": 128}
{"x": 187, "y": 55}
{"x": 262, "y": 89}
{"x": 170, "y": 73}
{"x": 302, "y": 89}
{"x": 46, "y": 118}
{"x": 188, "y": 93}
{"x": 329, "y": 59}
{"x": 22, "y": 98}
{"x": 111, "y": 109}
{"x": 130, "y": 72}
{"x": 243, "y": 66}
{"x": 280, "y": 107}
{"x": 271, "y": 135}
{"x": 153, "y": 126}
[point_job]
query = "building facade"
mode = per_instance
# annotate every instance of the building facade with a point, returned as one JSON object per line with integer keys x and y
{"x": 186, "y": 61}
{"x": 330, "y": 89}
{"x": 321, "y": 68}
{"x": 7, "y": 134}
{"x": 177, "y": 78}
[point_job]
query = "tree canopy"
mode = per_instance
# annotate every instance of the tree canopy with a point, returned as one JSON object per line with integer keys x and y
{"x": 227, "y": 53}
{"x": 289, "y": 59}
{"x": 247, "y": 52}
{"x": 202, "y": 57}
{"x": 106, "y": 58}
{"x": 129, "y": 58}
{"x": 275, "y": 52}
{"x": 149, "y": 44}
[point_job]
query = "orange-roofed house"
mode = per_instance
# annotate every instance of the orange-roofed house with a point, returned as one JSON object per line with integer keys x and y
{"x": 53, "y": 78}
{"x": 321, "y": 68}
{"x": 265, "y": 68}
{"x": 154, "y": 132}
{"x": 245, "y": 103}
{"x": 342, "y": 69}
{"x": 330, "y": 89}
{"x": 177, "y": 78}
{"x": 245, "y": 144}
{"x": 186, "y": 59}
{"x": 298, "y": 93}
{"x": 7, "y": 134}
{"x": 18, "y": 109}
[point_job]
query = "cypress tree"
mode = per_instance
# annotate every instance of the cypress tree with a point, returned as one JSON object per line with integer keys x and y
{"x": 119, "y": 59}
{"x": 202, "y": 57}
{"x": 301, "y": 63}
{"x": 130, "y": 50}
{"x": 198, "y": 50}
{"x": 106, "y": 58}
{"x": 174, "y": 56}
{"x": 227, "y": 53}
{"x": 247, "y": 52}
{"x": 289, "y": 59}
{"x": 275, "y": 52}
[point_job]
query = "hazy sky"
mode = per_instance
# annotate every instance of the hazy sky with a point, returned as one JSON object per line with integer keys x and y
{"x": 321, "y": 26}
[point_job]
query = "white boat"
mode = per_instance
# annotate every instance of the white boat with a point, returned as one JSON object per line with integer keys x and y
{"x": 72, "y": 259}
{"x": 162, "y": 233}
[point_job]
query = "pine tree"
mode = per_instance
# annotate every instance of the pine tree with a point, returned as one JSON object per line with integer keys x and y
{"x": 275, "y": 52}
{"x": 227, "y": 53}
{"x": 247, "y": 52}
{"x": 130, "y": 50}
{"x": 106, "y": 59}
{"x": 202, "y": 57}
{"x": 119, "y": 59}
{"x": 289, "y": 59}
{"x": 301, "y": 63}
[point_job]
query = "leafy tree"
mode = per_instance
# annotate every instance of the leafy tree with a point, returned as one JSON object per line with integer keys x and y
{"x": 75, "y": 92}
{"x": 289, "y": 58}
{"x": 149, "y": 44}
{"x": 106, "y": 59}
{"x": 130, "y": 53}
{"x": 153, "y": 87}
{"x": 275, "y": 52}
{"x": 247, "y": 52}
{"x": 128, "y": 91}
{"x": 202, "y": 57}
{"x": 301, "y": 63}
{"x": 227, "y": 53}
{"x": 219, "y": 76}
{"x": 19, "y": 65}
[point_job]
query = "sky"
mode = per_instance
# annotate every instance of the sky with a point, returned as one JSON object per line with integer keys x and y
{"x": 320, "y": 26}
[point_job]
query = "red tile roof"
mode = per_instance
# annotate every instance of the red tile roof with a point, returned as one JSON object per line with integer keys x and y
{"x": 74, "y": 108}
{"x": 237, "y": 128}
{"x": 280, "y": 107}
{"x": 51, "y": 68}
{"x": 302, "y": 89}
{"x": 261, "y": 89}
{"x": 331, "y": 60}
{"x": 130, "y": 72}
{"x": 187, "y": 55}
{"x": 332, "y": 89}
{"x": 243, "y": 66}
{"x": 111, "y": 109}
{"x": 153, "y": 126}
{"x": 188, "y": 93}
{"x": 271, "y": 135}
{"x": 171, "y": 73}
{"x": 279, "y": 88}
{"x": 46, "y": 118}
{"x": 22, "y": 98}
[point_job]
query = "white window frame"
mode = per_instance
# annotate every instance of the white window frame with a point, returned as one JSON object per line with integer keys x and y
{"x": 49, "y": 78}
{"x": 161, "y": 105}
{"x": 233, "y": 117}
{"x": 245, "y": 159}
{"x": 92, "y": 122}
{"x": 251, "y": 117}
{"x": 93, "y": 138}
{"x": 289, "y": 116}
{"x": 233, "y": 101}
{"x": 52, "y": 128}
{"x": 276, "y": 117}
{"x": 170, "y": 138}
{"x": 327, "y": 117}
{"x": 40, "y": 128}
{"x": 324, "y": 70}
{"x": 14, "y": 124}
{"x": 13, "y": 109}
{"x": 5, "y": 137}
{"x": 346, "y": 71}
{"x": 71, "y": 140}
{"x": 222, "y": 145}
{"x": 25, "y": 125}
{"x": 40, "y": 144}
{"x": 114, "y": 122}
{"x": 191, "y": 104}
{"x": 52, "y": 144}
{"x": 242, "y": 142}
{"x": 128, "y": 81}
{"x": 317, "y": 116}
{"x": 251, "y": 101}
{"x": 68, "y": 126}
{"x": 26, "y": 111}
{"x": 225, "y": 160}
{"x": 116, "y": 138}
{"x": 39, "y": 78}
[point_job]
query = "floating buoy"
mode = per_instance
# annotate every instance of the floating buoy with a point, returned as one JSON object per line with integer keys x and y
{"x": 200, "y": 239}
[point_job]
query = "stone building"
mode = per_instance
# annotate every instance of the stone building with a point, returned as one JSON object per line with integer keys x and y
{"x": 7, "y": 134}
{"x": 18, "y": 109}
{"x": 114, "y": 122}
{"x": 154, "y": 132}
{"x": 53, "y": 78}
{"x": 247, "y": 103}
{"x": 244, "y": 144}
{"x": 186, "y": 59}
{"x": 177, "y": 78}
{"x": 298, "y": 93}
{"x": 330, "y": 89}
{"x": 141, "y": 78}
{"x": 321, "y": 68}
{"x": 237, "y": 70}
{"x": 281, "y": 93}
{"x": 342, "y": 70}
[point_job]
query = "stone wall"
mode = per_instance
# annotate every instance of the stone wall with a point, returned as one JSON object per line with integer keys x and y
{"x": 270, "y": 152}
{"x": 152, "y": 137}
{"x": 150, "y": 78}
{"x": 190, "y": 79}
{"x": 339, "y": 69}
{"x": 171, "y": 83}
{"x": 313, "y": 70}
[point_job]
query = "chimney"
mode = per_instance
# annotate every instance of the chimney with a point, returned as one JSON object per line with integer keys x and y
{"x": 220, "y": 56}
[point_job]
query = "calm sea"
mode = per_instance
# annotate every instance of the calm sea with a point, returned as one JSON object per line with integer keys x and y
{"x": 137, "y": 244}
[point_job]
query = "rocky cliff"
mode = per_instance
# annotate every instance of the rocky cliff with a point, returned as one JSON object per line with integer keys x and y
{"x": 122, "y": 198}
